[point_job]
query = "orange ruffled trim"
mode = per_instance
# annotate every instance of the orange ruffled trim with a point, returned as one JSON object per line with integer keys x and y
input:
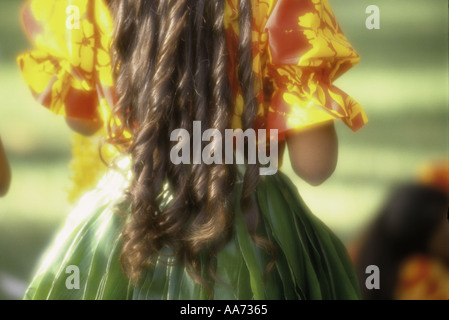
{"x": 298, "y": 47}
{"x": 70, "y": 71}
{"x": 307, "y": 52}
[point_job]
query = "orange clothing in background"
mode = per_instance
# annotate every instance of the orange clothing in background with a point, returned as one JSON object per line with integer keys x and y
{"x": 422, "y": 278}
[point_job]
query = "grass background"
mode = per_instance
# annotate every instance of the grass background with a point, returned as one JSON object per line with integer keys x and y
{"x": 401, "y": 82}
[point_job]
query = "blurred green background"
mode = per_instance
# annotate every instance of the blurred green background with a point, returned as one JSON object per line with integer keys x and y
{"x": 401, "y": 81}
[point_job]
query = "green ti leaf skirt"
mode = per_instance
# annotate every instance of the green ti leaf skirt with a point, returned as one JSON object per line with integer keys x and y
{"x": 311, "y": 261}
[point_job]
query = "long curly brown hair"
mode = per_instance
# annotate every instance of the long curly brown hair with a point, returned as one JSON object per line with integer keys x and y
{"x": 171, "y": 60}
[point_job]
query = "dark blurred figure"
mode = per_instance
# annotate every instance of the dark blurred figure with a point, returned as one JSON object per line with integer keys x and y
{"x": 5, "y": 171}
{"x": 409, "y": 242}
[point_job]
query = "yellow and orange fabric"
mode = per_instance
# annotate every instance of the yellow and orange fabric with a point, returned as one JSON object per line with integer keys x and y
{"x": 298, "y": 50}
{"x": 422, "y": 278}
{"x": 70, "y": 73}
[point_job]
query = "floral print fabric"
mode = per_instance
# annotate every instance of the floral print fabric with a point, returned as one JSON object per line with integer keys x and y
{"x": 70, "y": 71}
{"x": 298, "y": 51}
{"x": 422, "y": 278}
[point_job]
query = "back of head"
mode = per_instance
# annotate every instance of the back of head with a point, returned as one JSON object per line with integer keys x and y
{"x": 403, "y": 227}
{"x": 171, "y": 62}
{"x": 411, "y": 216}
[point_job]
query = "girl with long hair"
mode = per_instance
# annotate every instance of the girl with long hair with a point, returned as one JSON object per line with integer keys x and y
{"x": 409, "y": 241}
{"x": 153, "y": 229}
